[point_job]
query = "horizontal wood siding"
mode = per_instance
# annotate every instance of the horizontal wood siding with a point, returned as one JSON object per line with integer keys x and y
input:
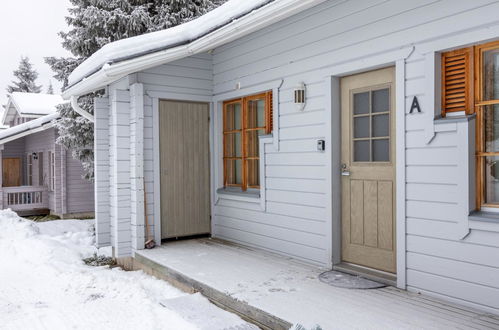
{"x": 79, "y": 191}
{"x": 302, "y": 48}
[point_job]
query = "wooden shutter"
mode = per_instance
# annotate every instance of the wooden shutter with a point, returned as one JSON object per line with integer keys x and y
{"x": 457, "y": 81}
{"x": 270, "y": 112}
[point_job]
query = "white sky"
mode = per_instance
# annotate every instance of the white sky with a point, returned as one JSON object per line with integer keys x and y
{"x": 29, "y": 28}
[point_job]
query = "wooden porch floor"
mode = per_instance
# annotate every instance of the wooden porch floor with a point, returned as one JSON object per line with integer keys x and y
{"x": 277, "y": 291}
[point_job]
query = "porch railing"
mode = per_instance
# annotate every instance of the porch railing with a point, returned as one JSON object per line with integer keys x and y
{"x": 25, "y": 198}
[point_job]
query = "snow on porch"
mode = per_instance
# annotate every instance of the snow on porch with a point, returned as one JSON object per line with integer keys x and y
{"x": 292, "y": 292}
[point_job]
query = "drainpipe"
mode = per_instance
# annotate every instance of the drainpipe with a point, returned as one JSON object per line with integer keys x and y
{"x": 79, "y": 110}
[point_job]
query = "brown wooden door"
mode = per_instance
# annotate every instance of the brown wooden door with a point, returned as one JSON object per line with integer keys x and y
{"x": 185, "y": 168}
{"x": 368, "y": 169}
{"x": 11, "y": 172}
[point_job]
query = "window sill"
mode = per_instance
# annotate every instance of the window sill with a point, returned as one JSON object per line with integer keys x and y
{"x": 235, "y": 193}
{"x": 453, "y": 119}
{"x": 487, "y": 221}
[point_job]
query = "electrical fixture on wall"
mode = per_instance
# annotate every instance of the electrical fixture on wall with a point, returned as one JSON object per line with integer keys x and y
{"x": 35, "y": 155}
{"x": 300, "y": 96}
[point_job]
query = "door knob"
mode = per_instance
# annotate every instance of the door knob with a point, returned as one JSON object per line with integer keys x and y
{"x": 344, "y": 170}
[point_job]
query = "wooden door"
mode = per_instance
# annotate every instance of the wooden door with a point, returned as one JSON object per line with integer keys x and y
{"x": 185, "y": 168}
{"x": 368, "y": 169}
{"x": 11, "y": 172}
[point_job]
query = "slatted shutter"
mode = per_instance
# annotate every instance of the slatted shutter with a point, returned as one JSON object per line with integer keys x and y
{"x": 270, "y": 113}
{"x": 457, "y": 81}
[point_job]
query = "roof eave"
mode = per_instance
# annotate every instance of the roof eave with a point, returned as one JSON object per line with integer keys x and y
{"x": 254, "y": 21}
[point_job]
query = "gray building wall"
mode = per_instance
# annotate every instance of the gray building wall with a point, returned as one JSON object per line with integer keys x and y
{"x": 302, "y": 48}
{"x": 296, "y": 220}
{"x": 79, "y": 191}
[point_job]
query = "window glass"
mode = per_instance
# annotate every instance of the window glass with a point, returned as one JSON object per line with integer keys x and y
{"x": 381, "y": 125}
{"x": 234, "y": 171}
{"x": 491, "y": 185}
{"x": 361, "y": 103}
{"x": 490, "y": 75}
{"x": 361, "y": 127}
{"x": 371, "y": 122}
{"x": 381, "y": 100}
{"x": 361, "y": 151}
{"x": 252, "y": 143}
{"x": 233, "y": 145}
{"x": 256, "y": 113}
{"x": 253, "y": 173}
{"x": 381, "y": 152}
{"x": 233, "y": 117}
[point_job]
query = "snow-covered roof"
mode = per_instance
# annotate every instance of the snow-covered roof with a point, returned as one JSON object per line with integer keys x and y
{"x": 233, "y": 20}
{"x": 30, "y": 127}
{"x": 35, "y": 103}
{"x": 30, "y": 105}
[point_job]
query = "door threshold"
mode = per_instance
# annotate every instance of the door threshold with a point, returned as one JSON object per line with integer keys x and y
{"x": 369, "y": 273}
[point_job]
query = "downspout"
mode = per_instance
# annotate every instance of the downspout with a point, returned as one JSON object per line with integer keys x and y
{"x": 79, "y": 110}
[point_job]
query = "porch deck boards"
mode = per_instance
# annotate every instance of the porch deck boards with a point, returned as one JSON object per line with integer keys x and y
{"x": 292, "y": 292}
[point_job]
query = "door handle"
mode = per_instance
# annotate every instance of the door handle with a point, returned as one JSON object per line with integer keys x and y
{"x": 344, "y": 170}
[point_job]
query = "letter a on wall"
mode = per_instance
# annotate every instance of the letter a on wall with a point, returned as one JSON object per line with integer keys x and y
{"x": 415, "y": 105}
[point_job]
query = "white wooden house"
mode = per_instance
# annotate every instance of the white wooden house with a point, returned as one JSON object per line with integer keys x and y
{"x": 38, "y": 175}
{"x": 389, "y": 165}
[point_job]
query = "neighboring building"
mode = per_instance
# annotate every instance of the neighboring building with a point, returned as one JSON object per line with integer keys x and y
{"x": 381, "y": 169}
{"x": 38, "y": 175}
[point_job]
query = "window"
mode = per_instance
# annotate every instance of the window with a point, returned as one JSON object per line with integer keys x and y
{"x": 371, "y": 125}
{"x": 51, "y": 170}
{"x": 470, "y": 83}
{"x": 487, "y": 108}
{"x": 244, "y": 120}
{"x": 29, "y": 169}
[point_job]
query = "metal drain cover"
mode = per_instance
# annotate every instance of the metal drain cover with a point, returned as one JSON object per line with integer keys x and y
{"x": 347, "y": 281}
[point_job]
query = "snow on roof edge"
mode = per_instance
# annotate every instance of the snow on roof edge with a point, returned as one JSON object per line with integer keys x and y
{"x": 160, "y": 40}
{"x": 27, "y": 126}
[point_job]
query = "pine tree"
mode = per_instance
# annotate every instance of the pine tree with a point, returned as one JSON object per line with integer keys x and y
{"x": 50, "y": 89}
{"x": 26, "y": 78}
{"x": 95, "y": 23}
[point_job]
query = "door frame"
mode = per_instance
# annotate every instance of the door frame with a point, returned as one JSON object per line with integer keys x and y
{"x": 156, "y": 97}
{"x": 333, "y": 153}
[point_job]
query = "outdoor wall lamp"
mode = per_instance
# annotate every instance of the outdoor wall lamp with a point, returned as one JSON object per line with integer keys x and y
{"x": 300, "y": 96}
{"x": 35, "y": 155}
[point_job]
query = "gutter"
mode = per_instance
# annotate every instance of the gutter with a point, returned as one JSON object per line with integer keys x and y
{"x": 30, "y": 129}
{"x": 79, "y": 110}
{"x": 255, "y": 20}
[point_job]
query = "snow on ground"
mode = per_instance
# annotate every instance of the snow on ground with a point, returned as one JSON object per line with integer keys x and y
{"x": 45, "y": 285}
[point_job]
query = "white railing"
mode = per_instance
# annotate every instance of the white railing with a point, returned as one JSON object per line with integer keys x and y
{"x": 25, "y": 198}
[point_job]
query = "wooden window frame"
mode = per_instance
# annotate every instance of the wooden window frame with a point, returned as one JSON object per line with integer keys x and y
{"x": 243, "y": 101}
{"x": 480, "y": 104}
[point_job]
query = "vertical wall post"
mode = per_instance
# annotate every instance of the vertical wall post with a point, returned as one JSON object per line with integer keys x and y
{"x": 137, "y": 165}
{"x": 101, "y": 172}
{"x": 120, "y": 210}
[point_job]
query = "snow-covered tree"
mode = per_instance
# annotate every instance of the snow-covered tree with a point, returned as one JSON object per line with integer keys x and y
{"x": 95, "y": 23}
{"x": 50, "y": 89}
{"x": 26, "y": 78}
